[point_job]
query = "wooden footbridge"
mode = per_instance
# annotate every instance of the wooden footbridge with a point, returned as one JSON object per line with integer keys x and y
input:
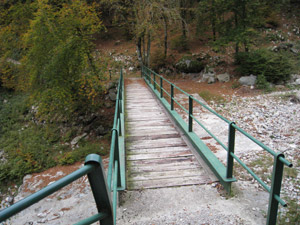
{"x": 156, "y": 154}
{"x": 154, "y": 147}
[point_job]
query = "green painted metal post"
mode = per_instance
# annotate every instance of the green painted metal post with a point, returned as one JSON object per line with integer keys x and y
{"x": 275, "y": 189}
{"x": 154, "y": 82}
{"x": 99, "y": 188}
{"x": 48, "y": 190}
{"x": 231, "y": 140}
{"x": 161, "y": 87}
{"x": 172, "y": 97}
{"x": 117, "y": 157}
{"x": 142, "y": 70}
{"x": 115, "y": 190}
{"x": 190, "y": 114}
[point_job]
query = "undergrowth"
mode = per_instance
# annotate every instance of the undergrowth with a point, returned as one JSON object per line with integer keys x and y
{"x": 29, "y": 146}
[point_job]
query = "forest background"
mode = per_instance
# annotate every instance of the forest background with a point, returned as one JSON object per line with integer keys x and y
{"x": 55, "y": 83}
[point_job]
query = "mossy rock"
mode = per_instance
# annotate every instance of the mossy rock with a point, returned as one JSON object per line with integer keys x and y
{"x": 188, "y": 64}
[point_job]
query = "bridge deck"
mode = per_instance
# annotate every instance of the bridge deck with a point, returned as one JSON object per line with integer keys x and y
{"x": 156, "y": 154}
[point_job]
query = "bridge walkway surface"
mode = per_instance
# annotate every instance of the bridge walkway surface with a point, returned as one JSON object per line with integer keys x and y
{"x": 166, "y": 183}
{"x": 157, "y": 155}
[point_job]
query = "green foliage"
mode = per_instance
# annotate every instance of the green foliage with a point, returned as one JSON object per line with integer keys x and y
{"x": 158, "y": 60}
{"x": 273, "y": 19}
{"x": 14, "y": 22}
{"x": 277, "y": 36}
{"x": 210, "y": 97}
{"x": 82, "y": 151}
{"x": 188, "y": 64}
{"x": 29, "y": 146}
{"x": 275, "y": 67}
{"x": 26, "y": 145}
{"x": 59, "y": 61}
{"x": 179, "y": 43}
{"x": 261, "y": 83}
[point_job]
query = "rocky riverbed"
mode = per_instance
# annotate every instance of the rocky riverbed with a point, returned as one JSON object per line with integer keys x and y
{"x": 272, "y": 118}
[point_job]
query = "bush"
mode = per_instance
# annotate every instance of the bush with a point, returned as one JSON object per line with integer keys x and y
{"x": 275, "y": 67}
{"x": 261, "y": 83}
{"x": 179, "y": 43}
{"x": 80, "y": 153}
{"x": 158, "y": 60}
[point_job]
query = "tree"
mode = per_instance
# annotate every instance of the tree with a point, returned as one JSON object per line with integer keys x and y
{"x": 14, "y": 23}
{"x": 59, "y": 60}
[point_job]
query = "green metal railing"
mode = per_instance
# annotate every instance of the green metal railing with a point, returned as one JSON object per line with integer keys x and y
{"x": 101, "y": 186}
{"x": 225, "y": 174}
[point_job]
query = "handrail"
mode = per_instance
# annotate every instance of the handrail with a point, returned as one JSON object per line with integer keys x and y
{"x": 93, "y": 168}
{"x": 279, "y": 160}
{"x": 117, "y": 147}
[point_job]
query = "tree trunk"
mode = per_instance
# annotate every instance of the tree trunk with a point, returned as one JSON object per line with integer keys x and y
{"x": 166, "y": 35}
{"x": 139, "y": 50}
{"x": 148, "y": 49}
{"x": 183, "y": 15}
{"x": 236, "y": 25}
{"x": 213, "y": 20}
{"x": 144, "y": 50}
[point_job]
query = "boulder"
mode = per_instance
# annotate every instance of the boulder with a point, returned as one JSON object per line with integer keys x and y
{"x": 296, "y": 97}
{"x": 211, "y": 80}
{"x": 295, "y": 51}
{"x": 209, "y": 76}
{"x": 112, "y": 94}
{"x": 77, "y": 139}
{"x": 189, "y": 65}
{"x": 101, "y": 130}
{"x": 248, "y": 80}
{"x": 225, "y": 77}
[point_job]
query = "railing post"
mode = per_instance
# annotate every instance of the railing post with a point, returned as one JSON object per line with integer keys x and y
{"x": 231, "y": 140}
{"x": 154, "y": 82}
{"x": 190, "y": 114}
{"x": 99, "y": 188}
{"x": 172, "y": 97}
{"x": 142, "y": 70}
{"x": 117, "y": 157}
{"x": 161, "y": 87}
{"x": 275, "y": 189}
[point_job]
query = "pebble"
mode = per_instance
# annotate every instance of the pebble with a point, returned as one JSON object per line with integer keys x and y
{"x": 274, "y": 120}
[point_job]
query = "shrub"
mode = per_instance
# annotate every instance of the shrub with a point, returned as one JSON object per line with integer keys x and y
{"x": 179, "y": 43}
{"x": 81, "y": 152}
{"x": 275, "y": 67}
{"x": 158, "y": 60}
{"x": 261, "y": 82}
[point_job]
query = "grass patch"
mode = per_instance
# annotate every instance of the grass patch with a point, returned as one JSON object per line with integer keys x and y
{"x": 210, "y": 97}
{"x": 290, "y": 172}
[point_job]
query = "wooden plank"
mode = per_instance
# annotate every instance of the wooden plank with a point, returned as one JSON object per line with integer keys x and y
{"x": 156, "y": 154}
{"x": 170, "y": 182}
{"x": 154, "y": 150}
{"x": 148, "y": 123}
{"x": 189, "y": 159}
{"x": 158, "y": 143}
{"x": 159, "y": 175}
{"x": 159, "y": 155}
{"x": 156, "y": 128}
{"x": 167, "y": 167}
{"x": 152, "y": 137}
